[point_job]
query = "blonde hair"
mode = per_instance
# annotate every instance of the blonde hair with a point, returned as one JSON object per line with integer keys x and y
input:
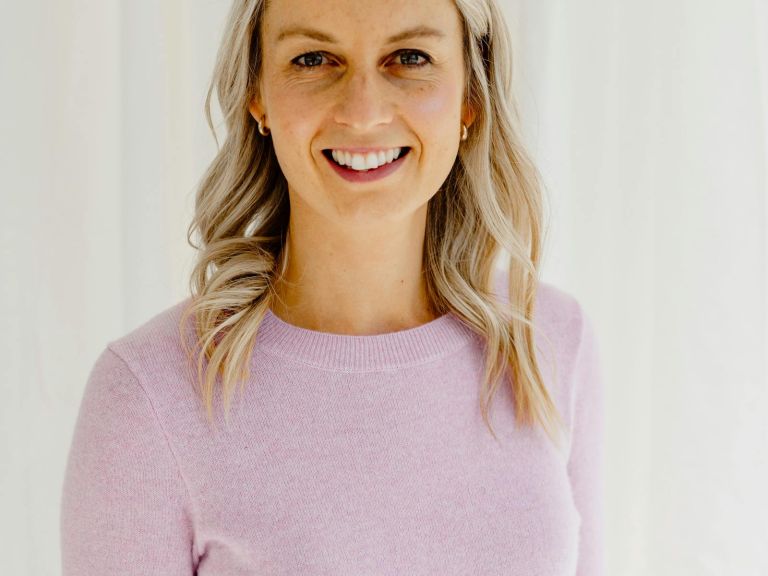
{"x": 490, "y": 201}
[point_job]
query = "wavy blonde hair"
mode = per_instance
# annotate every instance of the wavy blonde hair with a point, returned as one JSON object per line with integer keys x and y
{"x": 491, "y": 200}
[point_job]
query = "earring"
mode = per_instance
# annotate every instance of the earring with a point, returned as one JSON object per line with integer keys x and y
{"x": 464, "y": 131}
{"x": 261, "y": 129}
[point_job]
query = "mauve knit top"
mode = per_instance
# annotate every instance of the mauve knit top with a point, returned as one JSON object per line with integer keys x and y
{"x": 344, "y": 455}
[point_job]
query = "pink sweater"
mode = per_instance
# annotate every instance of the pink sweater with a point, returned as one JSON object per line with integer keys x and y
{"x": 346, "y": 455}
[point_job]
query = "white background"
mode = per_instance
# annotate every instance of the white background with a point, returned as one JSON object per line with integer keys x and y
{"x": 649, "y": 121}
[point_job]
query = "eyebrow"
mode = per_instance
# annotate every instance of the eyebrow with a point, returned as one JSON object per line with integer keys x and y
{"x": 418, "y": 31}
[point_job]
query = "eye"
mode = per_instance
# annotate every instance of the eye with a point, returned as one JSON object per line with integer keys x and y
{"x": 315, "y": 57}
{"x": 410, "y": 54}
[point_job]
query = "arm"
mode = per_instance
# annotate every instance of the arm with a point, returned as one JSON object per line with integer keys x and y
{"x": 125, "y": 508}
{"x": 585, "y": 464}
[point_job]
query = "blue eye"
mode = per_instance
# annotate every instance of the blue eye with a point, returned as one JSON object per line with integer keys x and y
{"x": 317, "y": 57}
{"x": 427, "y": 59}
{"x": 313, "y": 57}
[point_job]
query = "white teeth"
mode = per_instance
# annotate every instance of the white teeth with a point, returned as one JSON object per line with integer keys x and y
{"x": 368, "y": 161}
{"x": 364, "y": 162}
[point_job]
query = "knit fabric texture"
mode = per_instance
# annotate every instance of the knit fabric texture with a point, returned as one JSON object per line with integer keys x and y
{"x": 343, "y": 455}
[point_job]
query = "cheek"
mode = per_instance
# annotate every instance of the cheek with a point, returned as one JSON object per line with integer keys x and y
{"x": 290, "y": 143}
{"x": 439, "y": 100}
{"x": 438, "y": 111}
{"x": 284, "y": 100}
{"x": 283, "y": 112}
{"x": 292, "y": 133}
{"x": 436, "y": 101}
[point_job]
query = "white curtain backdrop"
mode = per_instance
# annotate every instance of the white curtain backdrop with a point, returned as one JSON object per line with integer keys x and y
{"x": 649, "y": 121}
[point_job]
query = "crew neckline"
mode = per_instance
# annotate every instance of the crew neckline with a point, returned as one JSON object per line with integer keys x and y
{"x": 424, "y": 343}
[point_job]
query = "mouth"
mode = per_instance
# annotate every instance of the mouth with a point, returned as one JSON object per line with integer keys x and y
{"x": 327, "y": 153}
{"x": 378, "y": 173}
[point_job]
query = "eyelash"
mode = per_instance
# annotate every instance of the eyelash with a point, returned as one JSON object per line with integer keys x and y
{"x": 302, "y": 67}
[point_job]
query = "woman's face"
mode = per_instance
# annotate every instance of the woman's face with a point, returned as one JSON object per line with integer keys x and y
{"x": 362, "y": 77}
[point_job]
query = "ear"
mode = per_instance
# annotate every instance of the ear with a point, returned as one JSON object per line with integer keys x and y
{"x": 256, "y": 109}
{"x": 467, "y": 115}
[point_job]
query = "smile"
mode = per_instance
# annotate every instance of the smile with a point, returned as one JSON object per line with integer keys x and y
{"x": 373, "y": 174}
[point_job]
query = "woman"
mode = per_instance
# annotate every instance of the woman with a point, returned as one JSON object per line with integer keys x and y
{"x": 349, "y": 225}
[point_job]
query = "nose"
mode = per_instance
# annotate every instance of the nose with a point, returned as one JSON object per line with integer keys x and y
{"x": 364, "y": 100}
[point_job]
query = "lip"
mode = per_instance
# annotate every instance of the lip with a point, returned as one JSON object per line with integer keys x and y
{"x": 369, "y": 175}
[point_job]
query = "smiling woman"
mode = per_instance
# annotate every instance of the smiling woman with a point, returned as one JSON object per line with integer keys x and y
{"x": 348, "y": 230}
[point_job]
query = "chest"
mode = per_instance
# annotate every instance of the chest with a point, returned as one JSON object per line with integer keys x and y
{"x": 385, "y": 493}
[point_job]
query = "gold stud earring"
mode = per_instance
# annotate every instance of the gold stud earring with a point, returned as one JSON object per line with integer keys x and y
{"x": 261, "y": 129}
{"x": 464, "y": 131}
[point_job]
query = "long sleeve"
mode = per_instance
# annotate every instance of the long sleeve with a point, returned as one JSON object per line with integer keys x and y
{"x": 585, "y": 465}
{"x": 124, "y": 506}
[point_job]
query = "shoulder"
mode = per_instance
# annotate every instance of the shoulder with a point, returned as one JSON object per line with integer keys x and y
{"x": 154, "y": 339}
{"x": 561, "y": 319}
{"x": 153, "y": 351}
{"x": 560, "y": 314}
{"x": 565, "y": 342}
{"x": 557, "y": 313}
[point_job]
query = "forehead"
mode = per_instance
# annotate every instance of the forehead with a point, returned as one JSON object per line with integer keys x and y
{"x": 369, "y": 21}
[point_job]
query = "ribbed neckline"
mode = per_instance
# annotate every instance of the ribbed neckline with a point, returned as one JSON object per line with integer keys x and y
{"x": 430, "y": 341}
